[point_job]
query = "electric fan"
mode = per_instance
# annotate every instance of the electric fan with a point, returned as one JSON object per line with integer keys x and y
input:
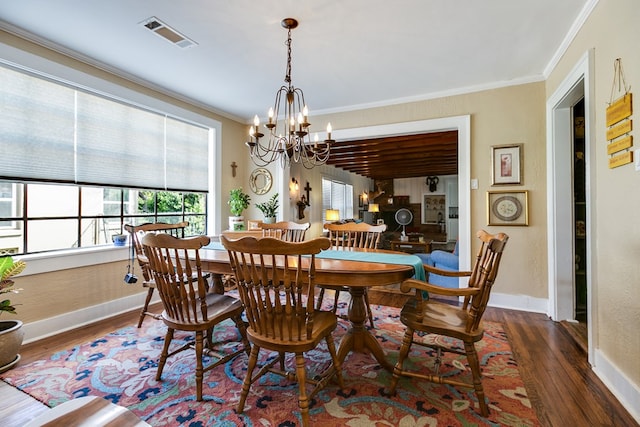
{"x": 404, "y": 217}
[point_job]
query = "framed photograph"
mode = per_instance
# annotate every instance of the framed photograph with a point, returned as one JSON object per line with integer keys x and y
{"x": 508, "y": 207}
{"x": 253, "y": 224}
{"x": 507, "y": 164}
{"x": 360, "y": 201}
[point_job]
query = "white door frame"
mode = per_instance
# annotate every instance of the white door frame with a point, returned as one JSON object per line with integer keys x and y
{"x": 561, "y": 227}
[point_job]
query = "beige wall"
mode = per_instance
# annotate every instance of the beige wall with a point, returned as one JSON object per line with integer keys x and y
{"x": 612, "y": 31}
{"x": 508, "y": 115}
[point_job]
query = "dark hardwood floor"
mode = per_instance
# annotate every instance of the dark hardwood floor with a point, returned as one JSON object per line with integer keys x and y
{"x": 562, "y": 388}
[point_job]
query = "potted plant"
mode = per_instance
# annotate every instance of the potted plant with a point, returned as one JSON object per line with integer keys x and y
{"x": 11, "y": 332}
{"x": 238, "y": 202}
{"x": 269, "y": 209}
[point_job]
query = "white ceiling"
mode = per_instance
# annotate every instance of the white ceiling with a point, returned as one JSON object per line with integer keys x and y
{"x": 345, "y": 53}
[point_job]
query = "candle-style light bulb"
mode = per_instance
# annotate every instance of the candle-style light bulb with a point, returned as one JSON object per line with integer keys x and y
{"x": 256, "y": 121}
{"x": 270, "y": 115}
{"x": 305, "y": 113}
{"x": 292, "y": 124}
{"x": 315, "y": 140}
{"x": 329, "y": 131}
{"x": 252, "y": 131}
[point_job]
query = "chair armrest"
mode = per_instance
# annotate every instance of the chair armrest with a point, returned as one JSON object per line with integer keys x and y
{"x": 441, "y": 272}
{"x": 409, "y": 284}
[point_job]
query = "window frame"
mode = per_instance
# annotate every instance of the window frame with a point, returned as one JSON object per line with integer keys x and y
{"x": 330, "y": 202}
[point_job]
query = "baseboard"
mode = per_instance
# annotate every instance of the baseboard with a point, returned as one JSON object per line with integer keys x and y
{"x": 618, "y": 383}
{"x": 40, "y": 329}
{"x": 519, "y": 302}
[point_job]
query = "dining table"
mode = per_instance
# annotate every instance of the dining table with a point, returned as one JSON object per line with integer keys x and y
{"x": 356, "y": 268}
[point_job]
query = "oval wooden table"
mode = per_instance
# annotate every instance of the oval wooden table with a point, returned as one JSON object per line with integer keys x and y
{"x": 357, "y": 275}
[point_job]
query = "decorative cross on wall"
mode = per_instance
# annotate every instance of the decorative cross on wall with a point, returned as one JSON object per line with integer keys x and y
{"x": 307, "y": 189}
{"x": 233, "y": 169}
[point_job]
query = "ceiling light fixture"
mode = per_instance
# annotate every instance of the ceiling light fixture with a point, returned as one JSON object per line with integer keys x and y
{"x": 288, "y": 138}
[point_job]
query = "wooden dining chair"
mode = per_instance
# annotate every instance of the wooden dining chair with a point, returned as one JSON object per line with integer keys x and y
{"x": 285, "y": 230}
{"x": 351, "y": 235}
{"x": 136, "y": 233}
{"x": 188, "y": 305}
{"x": 464, "y": 322}
{"x": 279, "y": 308}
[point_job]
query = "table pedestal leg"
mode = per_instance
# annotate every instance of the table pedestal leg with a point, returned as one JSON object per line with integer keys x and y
{"x": 218, "y": 283}
{"x": 358, "y": 338}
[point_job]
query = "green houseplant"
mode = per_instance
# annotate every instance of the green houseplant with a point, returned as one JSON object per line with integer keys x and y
{"x": 269, "y": 209}
{"x": 238, "y": 202}
{"x": 11, "y": 333}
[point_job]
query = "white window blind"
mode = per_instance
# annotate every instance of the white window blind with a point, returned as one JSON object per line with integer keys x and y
{"x": 337, "y": 195}
{"x": 36, "y": 128}
{"x": 56, "y": 133}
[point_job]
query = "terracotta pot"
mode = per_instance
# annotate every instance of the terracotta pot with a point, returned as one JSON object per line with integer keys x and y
{"x": 11, "y": 334}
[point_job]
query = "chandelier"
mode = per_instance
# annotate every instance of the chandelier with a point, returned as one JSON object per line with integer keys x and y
{"x": 288, "y": 139}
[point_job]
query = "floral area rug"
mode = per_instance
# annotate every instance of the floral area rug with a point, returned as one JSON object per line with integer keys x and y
{"x": 121, "y": 367}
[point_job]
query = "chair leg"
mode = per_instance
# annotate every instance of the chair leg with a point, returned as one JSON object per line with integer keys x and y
{"x": 369, "y": 313}
{"x": 303, "y": 400}
{"x": 404, "y": 351}
{"x": 474, "y": 364}
{"x": 164, "y": 354}
{"x": 199, "y": 368}
{"x": 145, "y": 308}
{"x": 331, "y": 346}
{"x": 242, "y": 328}
{"x": 335, "y": 301}
{"x": 320, "y": 298}
{"x": 246, "y": 384}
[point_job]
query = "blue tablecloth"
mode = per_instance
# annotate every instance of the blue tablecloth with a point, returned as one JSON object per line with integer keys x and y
{"x": 380, "y": 257}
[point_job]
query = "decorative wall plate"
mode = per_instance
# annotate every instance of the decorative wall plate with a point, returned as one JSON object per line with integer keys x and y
{"x": 507, "y": 208}
{"x": 260, "y": 181}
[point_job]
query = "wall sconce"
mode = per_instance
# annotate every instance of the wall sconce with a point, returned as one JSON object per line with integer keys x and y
{"x": 332, "y": 215}
{"x": 294, "y": 187}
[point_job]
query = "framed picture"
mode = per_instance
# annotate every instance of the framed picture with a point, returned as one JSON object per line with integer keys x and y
{"x": 254, "y": 224}
{"x": 507, "y": 164}
{"x": 508, "y": 207}
{"x": 360, "y": 201}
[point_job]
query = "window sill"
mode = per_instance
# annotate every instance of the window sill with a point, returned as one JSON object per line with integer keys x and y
{"x": 73, "y": 258}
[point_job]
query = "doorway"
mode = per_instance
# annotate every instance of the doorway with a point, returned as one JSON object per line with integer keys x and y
{"x": 562, "y": 212}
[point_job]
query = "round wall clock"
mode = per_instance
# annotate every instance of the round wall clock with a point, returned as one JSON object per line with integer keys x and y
{"x": 507, "y": 208}
{"x": 260, "y": 181}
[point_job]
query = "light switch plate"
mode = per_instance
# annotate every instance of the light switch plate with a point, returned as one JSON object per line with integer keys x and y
{"x": 636, "y": 157}
{"x": 474, "y": 183}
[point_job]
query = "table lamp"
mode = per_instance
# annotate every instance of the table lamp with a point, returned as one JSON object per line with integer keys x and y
{"x": 374, "y": 208}
{"x": 332, "y": 215}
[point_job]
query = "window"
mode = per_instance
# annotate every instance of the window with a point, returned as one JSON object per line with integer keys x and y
{"x": 7, "y": 204}
{"x": 77, "y": 165}
{"x": 337, "y": 195}
{"x": 68, "y": 216}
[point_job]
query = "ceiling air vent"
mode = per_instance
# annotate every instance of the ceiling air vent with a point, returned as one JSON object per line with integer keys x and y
{"x": 166, "y": 32}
